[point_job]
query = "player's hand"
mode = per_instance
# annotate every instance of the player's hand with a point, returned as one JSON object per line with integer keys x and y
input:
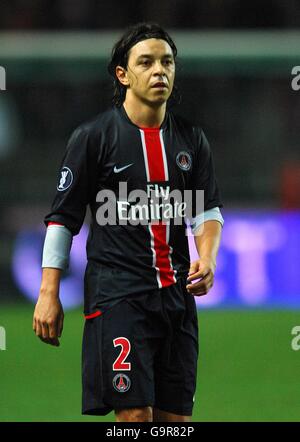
{"x": 202, "y": 271}
{"x": 48, "y": 319}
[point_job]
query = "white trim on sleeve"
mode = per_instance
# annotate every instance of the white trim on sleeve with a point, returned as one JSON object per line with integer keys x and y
{"x": 209, "y": 215}
{"x": 57, "y": 246}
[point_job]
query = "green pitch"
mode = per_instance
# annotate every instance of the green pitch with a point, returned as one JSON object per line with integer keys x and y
{"x": 247, "y": 370}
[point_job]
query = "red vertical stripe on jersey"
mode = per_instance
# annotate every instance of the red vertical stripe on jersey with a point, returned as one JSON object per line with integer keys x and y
{"x": 154, "y": 154}
{"x": 162, "y": 250}
{"x": 156, "y": 167}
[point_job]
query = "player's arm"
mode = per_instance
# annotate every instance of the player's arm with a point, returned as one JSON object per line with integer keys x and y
{"x": 207, "y": 226}
{"x": 48, "y": 314}
{"x": 75, "y": 187}
{"x": 207, "y": 241}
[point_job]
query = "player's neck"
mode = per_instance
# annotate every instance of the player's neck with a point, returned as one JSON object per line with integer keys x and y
{"x": 144, "y": 115}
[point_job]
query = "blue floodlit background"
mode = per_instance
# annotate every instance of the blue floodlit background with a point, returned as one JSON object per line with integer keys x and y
{"x": 235, "y": 77}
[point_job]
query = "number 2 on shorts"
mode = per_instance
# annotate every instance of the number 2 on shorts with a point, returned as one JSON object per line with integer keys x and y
{"x": 119, "y": 363}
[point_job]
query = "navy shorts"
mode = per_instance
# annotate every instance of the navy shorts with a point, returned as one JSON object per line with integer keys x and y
{"x": 142, "y": 352}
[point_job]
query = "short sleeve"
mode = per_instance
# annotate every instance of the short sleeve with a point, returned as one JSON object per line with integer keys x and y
{"x": 204, "y": 177}
{"x": 76, "y": 182}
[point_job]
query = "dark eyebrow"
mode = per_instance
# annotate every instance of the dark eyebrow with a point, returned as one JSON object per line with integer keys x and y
{"x": 150, "y": 56}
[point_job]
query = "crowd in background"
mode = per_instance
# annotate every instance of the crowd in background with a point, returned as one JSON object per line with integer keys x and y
{"x": 100, "y": 14}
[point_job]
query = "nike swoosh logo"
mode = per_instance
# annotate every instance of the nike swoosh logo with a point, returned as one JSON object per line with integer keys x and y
{"x": 116, "y": 170}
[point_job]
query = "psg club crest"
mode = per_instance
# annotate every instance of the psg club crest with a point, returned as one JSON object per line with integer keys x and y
{"x": 65, "y": 180}
{"x": 184, "y": 160}
{"x": 121, "y": 383}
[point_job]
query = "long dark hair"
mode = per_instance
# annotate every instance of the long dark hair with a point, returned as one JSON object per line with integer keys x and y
{"x": 120, "y": 51}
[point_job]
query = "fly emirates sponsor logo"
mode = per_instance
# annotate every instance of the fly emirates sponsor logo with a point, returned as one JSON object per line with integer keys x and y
{"x": 157, "y": 204}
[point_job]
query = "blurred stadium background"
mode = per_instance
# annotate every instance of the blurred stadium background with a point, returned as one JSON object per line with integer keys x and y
{"x": 234, "y": 74}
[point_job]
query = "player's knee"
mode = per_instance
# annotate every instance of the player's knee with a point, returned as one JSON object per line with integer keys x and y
{"x": 134, "y": 415}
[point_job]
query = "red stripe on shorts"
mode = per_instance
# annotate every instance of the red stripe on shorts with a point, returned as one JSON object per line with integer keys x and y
{"x": 93, "y": 315}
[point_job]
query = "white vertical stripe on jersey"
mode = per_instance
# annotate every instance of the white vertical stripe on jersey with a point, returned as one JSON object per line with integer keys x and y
{"x": 145, "y": 154}
{"x": 170, "y": 250}
{"x": 154, "y": 258}
{"x": 164, "y": 155}
{"x": 167, "y": 178}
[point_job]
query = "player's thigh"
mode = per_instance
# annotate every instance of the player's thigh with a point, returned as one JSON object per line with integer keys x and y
{"x": 127, "y": 358}
{"x": 176, "y": 374}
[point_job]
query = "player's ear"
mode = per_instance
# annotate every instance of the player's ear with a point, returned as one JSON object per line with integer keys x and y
{"x": 121, "y": 74}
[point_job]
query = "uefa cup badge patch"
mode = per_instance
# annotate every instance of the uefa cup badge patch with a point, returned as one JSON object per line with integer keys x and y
{"x": 184, "y": 160}
{"x": 66, "y": 179}
{"x": 121, "y": 383}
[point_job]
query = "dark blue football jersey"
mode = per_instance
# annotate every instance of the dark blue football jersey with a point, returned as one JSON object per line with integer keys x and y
{"x": 125, "y": 174}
